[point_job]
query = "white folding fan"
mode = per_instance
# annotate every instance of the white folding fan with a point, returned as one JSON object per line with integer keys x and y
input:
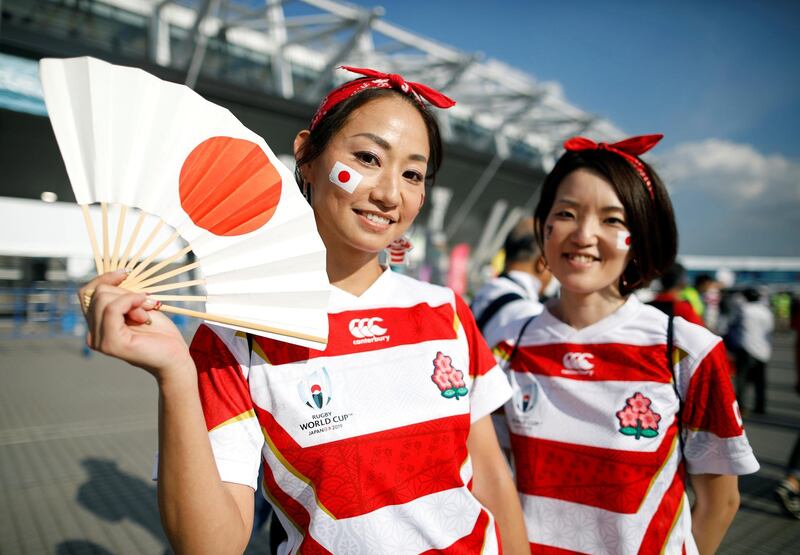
{"x": 131, "y": 140}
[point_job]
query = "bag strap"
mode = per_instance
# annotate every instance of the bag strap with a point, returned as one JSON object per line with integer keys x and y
{"x": 519, "y": 338}
{"x": 494, "y": 307}
{"x": 674, "y": 374}
{"x": 510, "y": 278}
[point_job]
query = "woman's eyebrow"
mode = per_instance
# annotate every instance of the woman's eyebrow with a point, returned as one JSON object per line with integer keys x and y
{"x": 384, "y": 144}
{"x": 609, "y": 208}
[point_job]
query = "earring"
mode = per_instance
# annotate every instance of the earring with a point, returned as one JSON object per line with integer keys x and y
{"x": 307, "y": 191}
{"x": 397, "y": 251}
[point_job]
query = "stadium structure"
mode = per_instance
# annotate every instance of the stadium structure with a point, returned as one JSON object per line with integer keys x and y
{"x": 270, "y": 61}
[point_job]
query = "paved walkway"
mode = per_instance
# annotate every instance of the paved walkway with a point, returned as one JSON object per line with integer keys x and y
{"x": 77, "y": 438}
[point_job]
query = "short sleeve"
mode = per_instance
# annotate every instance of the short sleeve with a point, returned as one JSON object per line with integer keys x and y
{"x": 233, "y": 429}
{"x": 490, "y": 389}
{"x": 715, "y": 441}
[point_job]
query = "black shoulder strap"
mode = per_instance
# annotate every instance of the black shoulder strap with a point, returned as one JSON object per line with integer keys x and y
{"x": 494, "y": 307}
{"x": 671, "y": 368}
{"x": 249, "y": 343}
{"x": 519, "y": 338}
{"x": 664, "y": 306}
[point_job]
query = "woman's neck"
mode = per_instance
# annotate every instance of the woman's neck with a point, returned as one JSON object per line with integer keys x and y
{"x": 354, "y": 274}
{"x": 582, "y": 310}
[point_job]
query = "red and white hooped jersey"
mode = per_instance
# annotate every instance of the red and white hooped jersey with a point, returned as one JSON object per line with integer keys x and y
{"x": 593, "y": 423}
{"x": 363, "y": 444}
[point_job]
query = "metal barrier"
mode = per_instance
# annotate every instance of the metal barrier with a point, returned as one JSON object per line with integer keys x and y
{"x": 48, "y": 311}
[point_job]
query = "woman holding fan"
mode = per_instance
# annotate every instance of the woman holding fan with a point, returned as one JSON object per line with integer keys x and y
{"x": 615, "y": 401}
{"x": 382, "y": 443}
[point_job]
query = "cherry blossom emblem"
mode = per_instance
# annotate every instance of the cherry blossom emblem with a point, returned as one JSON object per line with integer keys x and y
{"x": 637, "y": 418}
{"x": 449, "y": 380}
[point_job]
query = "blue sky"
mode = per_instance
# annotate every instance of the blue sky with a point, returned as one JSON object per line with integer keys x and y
{"x": 719, "y": 79}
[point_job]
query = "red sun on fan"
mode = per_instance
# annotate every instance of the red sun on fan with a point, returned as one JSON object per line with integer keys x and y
{"x": 228, "y": 186}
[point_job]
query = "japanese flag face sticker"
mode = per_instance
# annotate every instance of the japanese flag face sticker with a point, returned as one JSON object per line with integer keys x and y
{"x": 345, "y": 177}
{"x": 623, "y": 240}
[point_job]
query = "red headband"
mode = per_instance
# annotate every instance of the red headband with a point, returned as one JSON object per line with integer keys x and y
{"x": 377, "y": 80}
{"x": 629, "y": 149}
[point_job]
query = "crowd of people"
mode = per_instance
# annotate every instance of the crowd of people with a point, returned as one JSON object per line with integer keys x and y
{"x": 608, "y": 407}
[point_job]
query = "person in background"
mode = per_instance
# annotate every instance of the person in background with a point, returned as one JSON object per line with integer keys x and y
{"x": 750, "y": 333}
{"x": 711, "y": 296}
{"x": 615, "y": 402}
{"x": 515, "y": 292}
{"x": 695, "y": 294}
{"x": 788, "y": 490}
{"x": 669, "y": 299}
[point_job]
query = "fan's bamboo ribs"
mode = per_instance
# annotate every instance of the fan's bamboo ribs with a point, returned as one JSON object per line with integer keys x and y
{"x": 161, "y": 277}
{"x": 135, "y": 258}
{"x": 104, "y": 209}
{"x": 146, "y": 262}
{"x": 173, "y": 286}
{"x": 240, "y": 323}
{"x": 123, "y": 210}
{"x": 185, "y": 298}
{"x": 138, "y": 280}
{"x": 87, "y": 218}
{"x": 132, "y": 241}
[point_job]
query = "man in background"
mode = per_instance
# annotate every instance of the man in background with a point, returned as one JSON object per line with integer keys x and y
{"x": 514, "y": 293}
{"x": 750, "y": 335}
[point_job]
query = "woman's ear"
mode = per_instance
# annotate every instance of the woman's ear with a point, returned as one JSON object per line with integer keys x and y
{"x": 300, "y": 142}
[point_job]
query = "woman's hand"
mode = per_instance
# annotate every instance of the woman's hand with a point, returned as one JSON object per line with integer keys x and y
{"x": 126, "y": 326}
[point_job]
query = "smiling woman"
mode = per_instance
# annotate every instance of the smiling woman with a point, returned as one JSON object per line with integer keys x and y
{"x": 601, "y": 445}
{"x": 369, "y": 445}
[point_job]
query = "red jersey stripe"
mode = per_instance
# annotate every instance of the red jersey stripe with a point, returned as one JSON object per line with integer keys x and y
{"x": 609, "y": 479}
{"x": 710, "y": 400}
{"x": 665, "y": 517}
{"x": 224, "y": 393}
{"x": 469, "y": 544}
{"x": 373, "y": 329}
{"x": 403, "y": 464}
{"x": 599, "y": 362}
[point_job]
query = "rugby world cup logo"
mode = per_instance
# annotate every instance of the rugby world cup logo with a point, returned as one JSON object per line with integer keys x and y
{"x": 315, "y": 389}
{"x": 525, "y": 397}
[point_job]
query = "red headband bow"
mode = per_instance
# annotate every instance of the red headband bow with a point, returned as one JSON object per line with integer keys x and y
{"x": 378, "y": 80}
{"x": 629, "y": 149}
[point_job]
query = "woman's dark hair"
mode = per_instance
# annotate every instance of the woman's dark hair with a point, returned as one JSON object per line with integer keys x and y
{"x": 651, "y": 221}
{"x": 336, "y": 118}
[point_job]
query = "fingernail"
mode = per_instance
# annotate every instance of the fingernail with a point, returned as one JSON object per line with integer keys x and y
{"x": 149, "y": 303}
{"x": 122, "y": 272}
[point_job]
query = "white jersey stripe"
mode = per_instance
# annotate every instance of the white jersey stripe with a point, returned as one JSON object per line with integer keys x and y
{"x": 590, "y": 419}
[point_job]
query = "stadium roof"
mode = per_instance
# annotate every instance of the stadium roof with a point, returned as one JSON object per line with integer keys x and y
{"x": 292, "y": 48}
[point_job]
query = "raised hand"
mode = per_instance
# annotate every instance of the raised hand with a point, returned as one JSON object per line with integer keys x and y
{"x": 127, "y": 326}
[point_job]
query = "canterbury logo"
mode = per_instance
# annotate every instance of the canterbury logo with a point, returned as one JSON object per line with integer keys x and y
{"x": 364, "y": 328}
{"x": 577, "y": 363}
